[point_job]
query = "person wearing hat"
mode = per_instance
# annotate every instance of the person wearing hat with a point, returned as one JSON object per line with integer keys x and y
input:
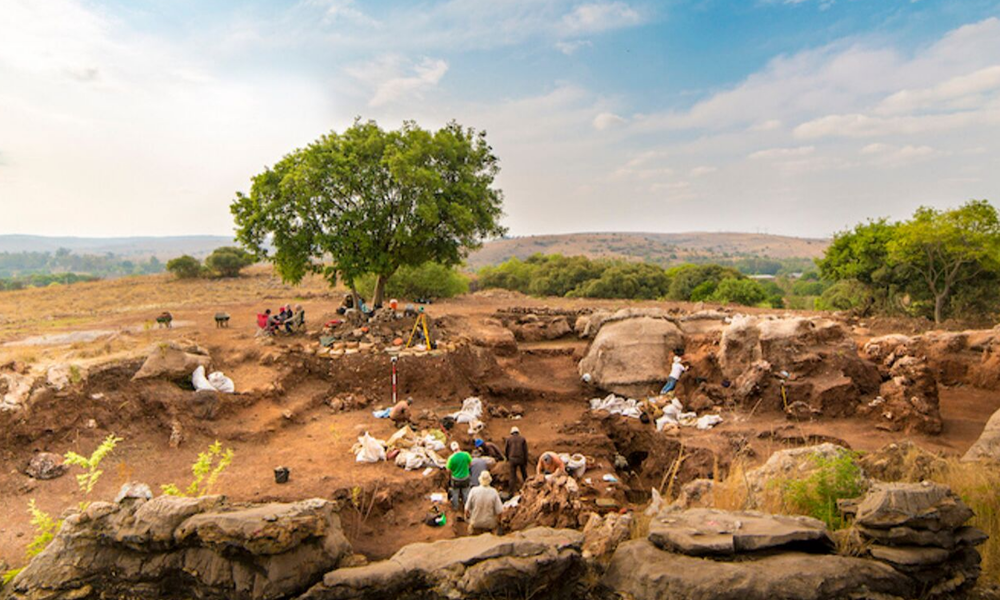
{"x": 676, "y": 370}
{"x": 516, "y": 453}
{"x": 458, "y": 465}
{"x": 484, "y": 448}
{"x": 483, "y": 507}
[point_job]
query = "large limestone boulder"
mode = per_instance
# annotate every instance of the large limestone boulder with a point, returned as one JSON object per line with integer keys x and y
{"x": 916, "y": 505}
{"x": 987, "y": 447}
{"x": 630, "y": 355}
{"x": 546, "y": 562}
{"x": 171, "y": 547}
{"x": 14, "y": 390}
{"x": 642, "y": 571}
{"x": 170, "y": 360}
{"x": 492, "y": 334}
{"x": 710, "y": 532}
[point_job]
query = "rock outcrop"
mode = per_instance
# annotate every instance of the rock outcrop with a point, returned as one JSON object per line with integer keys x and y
{"x": 712, "y": 532}
{"x": 170, "y": 360}
{"x": 630, "y": 354}
{"x": 45, "y": 465}
{"x": 645, "y": 572}
{"x": 987, "y": 447}
{"x": 908, "y": 399}
{"x": 171, "y": 547}
{"x": 540, "y": 562}
{"x": 816, "y": 359}
{"x": 919, "y": 529}
{"x": 547, "y": 502}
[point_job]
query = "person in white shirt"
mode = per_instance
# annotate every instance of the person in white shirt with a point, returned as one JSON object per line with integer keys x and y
{"x": 676, "y": 370}
{"x": 483, "y": 508}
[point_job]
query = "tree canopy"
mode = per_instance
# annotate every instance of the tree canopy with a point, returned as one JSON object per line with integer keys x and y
{"x": 935, "y": 263}
{"x": 369, "y": 201}
{"x": 228, "y": 261}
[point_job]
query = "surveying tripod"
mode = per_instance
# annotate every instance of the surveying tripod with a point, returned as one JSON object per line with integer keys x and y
{"x": 420, "y": 325}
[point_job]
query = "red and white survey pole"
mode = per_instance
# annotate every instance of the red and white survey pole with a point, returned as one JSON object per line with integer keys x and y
{"x": 394, "y": 387}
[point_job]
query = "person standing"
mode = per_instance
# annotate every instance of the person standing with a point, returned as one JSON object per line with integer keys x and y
{"x": 477, "y": 467}
{"x": 676, "y": 370}
{"x": 483, "y": 508}
{"x": 458, "y": 466}
{"x": 516, "y": 452}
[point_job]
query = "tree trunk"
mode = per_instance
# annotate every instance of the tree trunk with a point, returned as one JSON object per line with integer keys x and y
{"x": 379, "y": 290}
{"x": 939, "y": 307}
{"x": 356, "y": 296}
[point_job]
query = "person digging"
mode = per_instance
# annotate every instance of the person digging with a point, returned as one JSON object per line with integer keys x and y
{"x": 458, "y": 466}
{"x": 483, "y": 508}
{"x": 516, "y": 452}
{"x": 489, "y": 449}
{"x": 549, "y": 463}
{"x": 400, "y": 413}
{"x": 676, "y": 370}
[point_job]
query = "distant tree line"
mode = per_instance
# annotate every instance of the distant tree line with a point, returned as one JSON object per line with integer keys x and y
{"x": 582, "y": 277}
{"x": 18, "y": 265}
{"x": 42, "y": 280}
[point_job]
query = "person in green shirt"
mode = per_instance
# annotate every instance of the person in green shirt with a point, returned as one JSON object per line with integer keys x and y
{"x": 458, "y": 466}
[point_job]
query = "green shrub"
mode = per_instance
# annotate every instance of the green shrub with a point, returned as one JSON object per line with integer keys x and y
{"x": 227, "y": 261}
{"x": 45, "y": 529}
{"x": 845, "y": 295}
{"x": 86, "y": 481}
{"x": 185, "y": 267}
{"x": 739, "y": 291}
{"x": 685, "y": 279}
{"x": 206, "y": 472}
{"x": 816, "y": 495}
{"x": 626, "y": 280}
{"x": 429, "y": 280}
{"x": 512, "y": 274}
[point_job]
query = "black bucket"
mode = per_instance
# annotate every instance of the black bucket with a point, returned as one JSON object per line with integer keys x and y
{"x": 281, "y": 474}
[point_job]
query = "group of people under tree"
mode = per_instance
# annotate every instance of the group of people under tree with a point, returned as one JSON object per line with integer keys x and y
{"x": 288, "y": 319}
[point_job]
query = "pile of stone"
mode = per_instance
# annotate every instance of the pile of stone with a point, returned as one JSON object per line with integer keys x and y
{"x": 919, "y": 529}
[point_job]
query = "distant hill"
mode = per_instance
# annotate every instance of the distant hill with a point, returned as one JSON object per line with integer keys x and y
{"x": 660, "y": 248}
{"x": 126, "y": 247}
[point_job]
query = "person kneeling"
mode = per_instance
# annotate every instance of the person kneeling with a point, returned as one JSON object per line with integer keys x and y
{"x": 483, "y": 508}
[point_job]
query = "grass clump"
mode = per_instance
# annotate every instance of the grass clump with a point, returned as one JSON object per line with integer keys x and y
{"x": 206, "y": 471}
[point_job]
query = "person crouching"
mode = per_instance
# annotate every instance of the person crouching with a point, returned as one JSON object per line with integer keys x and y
{"x": 483, "y": 508}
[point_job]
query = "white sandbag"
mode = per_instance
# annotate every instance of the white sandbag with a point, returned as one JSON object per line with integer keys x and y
{"x": 472, "y": 409}
{"x": 577, "y": 465}
{"x": 369, "y": 449}
{"x": 221, "y": 383}
{"x": 216, "y": 382}
{"x": 708, "y": 421}
{"x": 617, "y": 406}
{"x": 432, "y": 443}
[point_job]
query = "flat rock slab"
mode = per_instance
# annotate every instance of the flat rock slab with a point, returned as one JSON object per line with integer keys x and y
{"x": 910, "y": 556}
{"x": 923, "y": 505}
{"x": 641, "y": 571}
{"x": 707, "y": 532}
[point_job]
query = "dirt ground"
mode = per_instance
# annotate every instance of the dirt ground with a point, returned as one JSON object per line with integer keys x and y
{"x": 282, "y": 414}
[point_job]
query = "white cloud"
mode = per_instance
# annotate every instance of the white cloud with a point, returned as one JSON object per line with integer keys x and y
{"x": 607, "y": 120}
{"x": 570, "y": 47}
{"x": 599, "y": 16}
{"x": 393, "y": 77}
{"x": 768, "y": 125}
{"x": 702, "y": 171}
{"x": 964, "y": 91}
{"x": 782, "y": 153}
{"x": 895, "y": 156}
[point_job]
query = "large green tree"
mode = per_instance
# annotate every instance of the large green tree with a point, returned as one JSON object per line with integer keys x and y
{"x": 369, "y": 201}
{"x": 947, "y": 249}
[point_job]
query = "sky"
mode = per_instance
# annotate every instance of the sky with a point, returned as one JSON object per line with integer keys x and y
{"x": 796, "y": 117}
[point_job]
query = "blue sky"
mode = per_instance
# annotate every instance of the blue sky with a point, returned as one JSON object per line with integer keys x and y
{"x": 799, "y": 117}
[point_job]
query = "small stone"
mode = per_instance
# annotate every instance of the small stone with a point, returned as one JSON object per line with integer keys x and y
{"x": 45, "y": 465}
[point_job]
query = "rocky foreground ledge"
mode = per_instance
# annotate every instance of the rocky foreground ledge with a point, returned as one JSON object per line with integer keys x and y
{"x": 914, "y": 544}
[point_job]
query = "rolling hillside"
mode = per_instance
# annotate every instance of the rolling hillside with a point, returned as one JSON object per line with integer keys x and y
{"x": 660, "y": 248}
